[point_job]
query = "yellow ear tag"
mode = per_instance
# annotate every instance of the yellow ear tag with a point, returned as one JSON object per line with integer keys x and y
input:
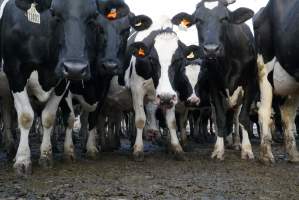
{"x": 185, "y": 23}
{"x": 112, "y": 14}
{"x": 191, "y": 55}
{"x": 33, "y": 15}
{"x": 141, "y": 52}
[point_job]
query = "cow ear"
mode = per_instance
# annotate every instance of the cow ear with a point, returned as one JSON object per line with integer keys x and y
{"x": 241, "y": 15}
{"x": 113, "y": 9}
{"x": 183, "y": 20}
{"x": 192, "y": 53}
{"x": 23, "y": 4}
{"x": 41, "y": 5}
{"x": 140, "y": 22}
{"x": 138, "y": 49}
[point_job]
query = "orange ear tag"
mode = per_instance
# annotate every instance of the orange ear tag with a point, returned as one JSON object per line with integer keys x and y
{"x": 112, "y": 14}
{"x": 185, "y": 23}
{"x": 141, "y": 52}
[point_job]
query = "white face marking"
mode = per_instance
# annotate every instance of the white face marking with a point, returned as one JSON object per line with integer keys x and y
{"x": 165, "y": 44}
{"x": 192, "y": 72}
{"x": 2, "y": 7}
{"x": 211, "y": 5}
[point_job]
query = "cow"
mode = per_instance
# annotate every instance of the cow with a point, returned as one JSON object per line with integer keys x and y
{"x": 56, "y": 39}
{"x": 150, "y": 77}
{"x": 114, "y": 22}
{"x": 230, "y": 62}
{"x": 275, "y": 28}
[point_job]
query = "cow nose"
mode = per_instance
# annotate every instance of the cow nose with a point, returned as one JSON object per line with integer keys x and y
{"x": 166, "y": 100}
{"x": 75, "y": 70}
{"x": 111, "y": 67}
{"x": 212, "y": 50}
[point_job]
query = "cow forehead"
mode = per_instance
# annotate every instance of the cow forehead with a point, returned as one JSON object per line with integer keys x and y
{"x": 219, "y": 11}
{"x": 73, "y": 7}
{"x": 211, "y": 5}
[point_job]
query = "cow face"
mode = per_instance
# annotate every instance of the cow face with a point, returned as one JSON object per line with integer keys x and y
{"x": 76, "y": 22}
{"x": 160, "y": 64}
{"x": 212, "y": 20}
{"x": 115, "y": 22}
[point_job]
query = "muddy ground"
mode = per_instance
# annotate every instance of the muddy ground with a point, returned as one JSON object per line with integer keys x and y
{"x": 116, "y": 176}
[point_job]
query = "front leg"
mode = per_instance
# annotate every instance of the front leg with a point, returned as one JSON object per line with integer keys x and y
{"x": 175, "y": 144}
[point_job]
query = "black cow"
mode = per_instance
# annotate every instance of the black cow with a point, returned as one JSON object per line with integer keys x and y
{"x": 56, "y": 38}
{"x": 230, "y": 62}
{"x": 114, "y": 24}
{"x": 276, "y": 31}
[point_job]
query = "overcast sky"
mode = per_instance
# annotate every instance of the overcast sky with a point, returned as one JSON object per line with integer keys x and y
{"x": 156, "y": 8}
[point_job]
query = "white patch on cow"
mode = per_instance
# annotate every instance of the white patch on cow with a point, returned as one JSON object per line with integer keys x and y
{"x": 24, "y": 109}
{"x": 77, "y": 124}
{"x": 87, "y": 107}
{"x": 219, "y": 149}
{"x": 233, "y": 99}
{"x": 91, "y": 145}
{"x": 169, "y": 40}
{"x": 211, "y": 5}
{"x": 35, "y": 89}
{"x": 284, "y": 83}
{"x": 2, "y": 7}
{"x": 246, "y": 145}
{"x": 171, "y": 124}
{"x": 192, "y": 73}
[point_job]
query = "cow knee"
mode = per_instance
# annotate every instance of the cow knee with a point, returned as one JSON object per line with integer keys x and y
{"x": 71, "y": 121}
{"x": 140, "y": 123}
{"x": 48, "y": 120}
{"x": 26, "y": 119}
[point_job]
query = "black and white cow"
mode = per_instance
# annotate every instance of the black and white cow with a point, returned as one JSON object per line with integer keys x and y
{"x": 229, "y": 59}
{"x": 276, "y": 33}
{"x": 55, "y": 38}
{"x": 114, "y": 23}
{"x": 156, "y": 55}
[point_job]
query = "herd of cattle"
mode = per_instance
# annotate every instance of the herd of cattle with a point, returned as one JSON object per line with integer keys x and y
{"x": 98, "y": 54}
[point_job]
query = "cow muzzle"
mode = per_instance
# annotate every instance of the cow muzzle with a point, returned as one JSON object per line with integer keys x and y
{"x": 212, "y": 51}
{"x": 166, "y": 101}
{"x": 75, "y": 70}
{"x": 193, "y": 100}
{"x": 111, "y": 67}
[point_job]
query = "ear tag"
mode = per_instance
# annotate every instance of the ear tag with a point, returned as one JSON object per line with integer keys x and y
{"x": 138, "y": 24}
{"x": 33, "y": 15}
{"x": 112, "y": 14}
{"x": 185, "y": 23}
{"x": 141, "y": 52}
{"x": 191, "y": 55}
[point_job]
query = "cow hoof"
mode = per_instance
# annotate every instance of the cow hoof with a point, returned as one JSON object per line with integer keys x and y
{"x": 69, "y": 157}
{"x": 178, "y": 152}
{"x": 294, "y": 158}
{"x": 217, "y": 154}
{"x": 23, "y": 168}
{"x": 138, "y": 156}
{"x": 46, "y": 162}
{"x": 247, "y": 155}
{"x": 266, "y": 156}
{"x": 92, "y": 154}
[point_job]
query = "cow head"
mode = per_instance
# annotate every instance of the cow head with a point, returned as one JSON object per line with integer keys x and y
{"x": 75, "y": 21}
{"x": 159, "y": 60}
{"x": 189, "y": 75}
{"x": 115, "y": 22}
{"x": 212, "y": 19}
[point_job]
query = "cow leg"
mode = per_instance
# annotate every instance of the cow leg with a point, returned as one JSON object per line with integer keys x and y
{"x": 175, "y": 144}
{"x": 92, "y": 150}
{"x": 69, "y": 120}
{"x": 48, "y": 122}
{"x": 7, "y": 122}
{"x": 264, "y": 112}
{"x": 25, "y": 121}
{"x": 152, "y": 128}
{"x": 288, "y": 115}
{"x": 236, "y": 133}
{"x": 183, "y": 122}
{"x": 140, "y": 119}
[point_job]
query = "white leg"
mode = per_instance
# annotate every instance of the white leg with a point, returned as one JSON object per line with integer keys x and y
{"x": 91, "y": 146}
{"x": 48, "y": 121}
{"x": 288, "y": 114}
{"x": 236, "y": 138}
{"x": 140, "y": 118}
{"x": 246, "y": 152}
{"x": 219, "y": 149}
{"x": 175, "y": 144}
{"x": 25, "y": 120}
{"x": 69, "y": 148}
{"x": 264, "y": 112}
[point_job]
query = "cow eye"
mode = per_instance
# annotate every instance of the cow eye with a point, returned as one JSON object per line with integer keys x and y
{"x": 224, "y": 20}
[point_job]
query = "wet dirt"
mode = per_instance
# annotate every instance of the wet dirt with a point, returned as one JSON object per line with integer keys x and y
{"x": 116, "y": 176}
